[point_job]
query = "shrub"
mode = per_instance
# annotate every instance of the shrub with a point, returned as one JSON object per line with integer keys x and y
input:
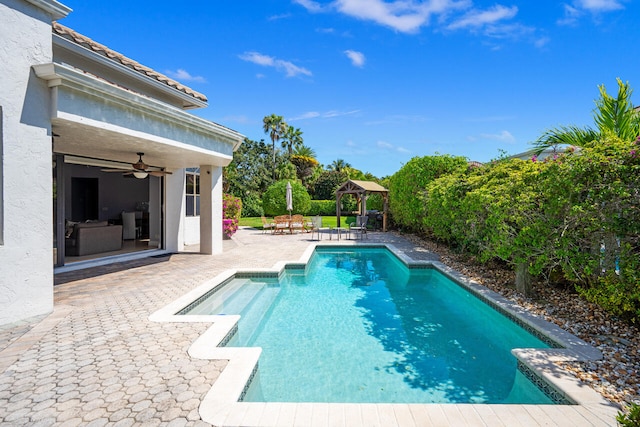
{"x": 631, "y": 418}
{"x": 406, "y": 186}
{"x": 323, "y": 207}
{"x": 274, "y": 200}
{"x": 252, "y": 206}
{"x": 231, "y": 211}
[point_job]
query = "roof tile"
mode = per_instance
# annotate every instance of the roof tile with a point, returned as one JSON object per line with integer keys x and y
{"x": 98, "y": 48}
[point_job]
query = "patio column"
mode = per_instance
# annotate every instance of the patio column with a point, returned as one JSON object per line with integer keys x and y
{"x": 210, "y": 209}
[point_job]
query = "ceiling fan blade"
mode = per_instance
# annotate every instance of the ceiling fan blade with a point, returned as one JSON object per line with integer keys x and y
{"x": 115, "y": 170}
{"x": 158, "y": 173}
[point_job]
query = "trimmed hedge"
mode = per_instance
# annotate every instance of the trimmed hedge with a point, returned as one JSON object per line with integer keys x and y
{"x": 323, "y": 207}
{"x": 574, "y": 218}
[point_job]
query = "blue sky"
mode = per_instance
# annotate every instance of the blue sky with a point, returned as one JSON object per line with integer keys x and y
{"x": 376, "y": 82}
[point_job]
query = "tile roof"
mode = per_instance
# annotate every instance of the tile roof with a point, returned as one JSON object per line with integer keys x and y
{"x": 100, "y": 49}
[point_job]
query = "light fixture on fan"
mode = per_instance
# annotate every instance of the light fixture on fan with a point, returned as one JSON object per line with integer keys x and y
{"x": 139, "y": 169}
{"x": 140, "y": 175}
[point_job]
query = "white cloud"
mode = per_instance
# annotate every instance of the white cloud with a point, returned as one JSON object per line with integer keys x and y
{"x": 504, "y": 136}
{"x": 409, "y": 16}
{"x": 401, "y": 15}
{"x": 289, "y": 68}
{"x": 541, "y": 42}
{"x": 184, "y": 76}
{"x": 306, "y": 116}
{"x": 390, "y": 147}
{"x": 278, "y": 17}
{"x": 406, "y": 16}
{"x": 574, "y": 11}
{"x": 326, "y": 115}
{"x": 599, "y": 5}
{"x": 481, "y": 18}
{"x": 357, "y": 58}
{"x": 310, "y": 5}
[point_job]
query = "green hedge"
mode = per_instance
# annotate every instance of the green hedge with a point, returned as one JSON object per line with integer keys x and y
{"x": 408, "y": 184}
{"x": 575, "y": 218}
{"x": 323, "y": 207}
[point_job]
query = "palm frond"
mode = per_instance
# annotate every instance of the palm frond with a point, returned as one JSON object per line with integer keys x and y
{"x": 563, "y": 136}
{"x": 617, "y": 115}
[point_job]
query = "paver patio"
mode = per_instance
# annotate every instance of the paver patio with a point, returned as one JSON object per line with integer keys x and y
{"x": 98, "y": 360}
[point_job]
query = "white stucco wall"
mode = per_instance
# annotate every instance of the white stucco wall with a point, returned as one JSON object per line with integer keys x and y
{"x": 174, "y": 211}
{"x": 26, "y": 255}
{"x": 182, "y": 230}
{"x": 191, "y": 230}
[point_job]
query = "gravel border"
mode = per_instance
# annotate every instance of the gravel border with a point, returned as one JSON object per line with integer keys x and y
{"x": 617, "y": 375}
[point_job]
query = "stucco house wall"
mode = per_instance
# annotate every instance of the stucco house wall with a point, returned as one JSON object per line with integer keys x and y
{"x": 26, "y": 274}
{"x": 83, "y": 110}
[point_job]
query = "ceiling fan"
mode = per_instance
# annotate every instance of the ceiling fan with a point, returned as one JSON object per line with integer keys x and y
{"x": 139, "y": 169}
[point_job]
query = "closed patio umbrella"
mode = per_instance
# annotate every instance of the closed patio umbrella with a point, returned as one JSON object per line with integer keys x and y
{"x": 289, "y": 198}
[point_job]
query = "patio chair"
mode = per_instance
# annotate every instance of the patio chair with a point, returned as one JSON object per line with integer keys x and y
{"x": 282, "y": 224}
{"x": 297, "y": 223}
{"x": 316, "y": 226}
{"x": 308, "y": 225}
{"x": 359, "y": 227}
{"x": 267, "y": 225}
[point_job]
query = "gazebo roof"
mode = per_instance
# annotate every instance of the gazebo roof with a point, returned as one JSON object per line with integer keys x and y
{"x": 356, "y": 187}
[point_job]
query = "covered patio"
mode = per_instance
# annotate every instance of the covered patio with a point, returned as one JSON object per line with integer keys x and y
{"x": 99, "y": 127}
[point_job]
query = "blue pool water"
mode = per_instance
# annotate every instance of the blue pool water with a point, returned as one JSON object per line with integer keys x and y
{"x": 359, "y": 326}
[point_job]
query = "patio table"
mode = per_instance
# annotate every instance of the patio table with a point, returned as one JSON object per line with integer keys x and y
{"x": 339, "y": 231}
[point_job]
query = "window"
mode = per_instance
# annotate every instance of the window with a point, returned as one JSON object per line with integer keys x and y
{"x": 192, "y": 192}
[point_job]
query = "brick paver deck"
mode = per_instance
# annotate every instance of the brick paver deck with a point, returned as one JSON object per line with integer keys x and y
{"x": 97, "y": 359}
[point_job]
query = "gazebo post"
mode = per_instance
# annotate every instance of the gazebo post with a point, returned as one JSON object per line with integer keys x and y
{"x": 385, "y": 208}
{"x": 338, "y": 197}
{"x": 363, "y": 198}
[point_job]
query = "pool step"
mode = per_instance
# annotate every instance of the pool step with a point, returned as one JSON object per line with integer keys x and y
{"x": 251, "y": 321}
{"x": 217, "y": 303}
{"x": 239, "y": 299}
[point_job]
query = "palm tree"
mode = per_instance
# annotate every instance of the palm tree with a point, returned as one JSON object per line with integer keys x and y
{"x": 291, "y": 139}
{"x": 611, "y": 115}
{"x": 338, "y": 165}
{"x": 304, "y": 151}
{"x": 304, "y": 159}
{"x": 275, "y": 126}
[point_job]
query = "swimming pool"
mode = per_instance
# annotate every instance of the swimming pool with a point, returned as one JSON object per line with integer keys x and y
{"x": 356, "y": 325}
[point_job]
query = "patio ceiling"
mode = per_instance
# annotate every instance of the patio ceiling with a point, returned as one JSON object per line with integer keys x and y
{"x": 99, "y": 143}
{"x": 94, "y": 118}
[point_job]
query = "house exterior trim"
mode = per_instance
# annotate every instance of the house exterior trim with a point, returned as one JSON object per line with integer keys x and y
{"x": 56, "y": 9}
{"x": 188, "y": 101}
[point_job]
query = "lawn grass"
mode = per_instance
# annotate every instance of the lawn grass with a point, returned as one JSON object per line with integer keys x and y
{"x": 327, "y": 221}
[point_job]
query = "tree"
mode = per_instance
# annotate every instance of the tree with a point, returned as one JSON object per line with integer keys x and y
{"x": 305, "y": 166}
{"x": 292, "y": 139}
{"x": 305, "y": 151}
{"x": 275, "y": 202}
{"x": 249, "y": 175}
{"x": 275, "y": 127}
{"x": 612, "y": 116}
{"x": 327, "y": 183}
{"x": 338, "y": 165}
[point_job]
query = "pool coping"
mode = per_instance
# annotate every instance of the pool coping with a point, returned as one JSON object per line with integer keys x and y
{"x": 221, "y": 405}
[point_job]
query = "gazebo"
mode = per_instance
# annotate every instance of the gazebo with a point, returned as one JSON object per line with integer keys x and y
{"x": 361, "y": 189}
